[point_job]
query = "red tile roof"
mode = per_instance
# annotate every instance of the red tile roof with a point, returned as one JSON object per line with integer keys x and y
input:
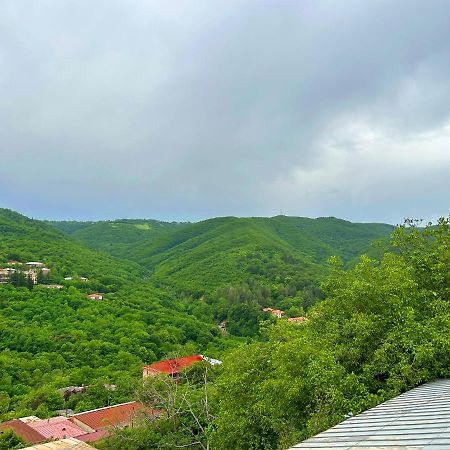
{"x": 173, "y": 366}
{"x": 56, "y": 428}
{"x": 110, "y": 416}
{"x": 94, "y": 436}
{"x": 23, "y": 430}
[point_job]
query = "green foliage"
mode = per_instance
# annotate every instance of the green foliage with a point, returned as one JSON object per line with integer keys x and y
{"x": 202, "y": 257}
{"x": 10, "y": 441}
{"x": 116, "y": 236}
{"x": 50, "y": 339}
{"x": 31, "y": 240}
{"x": 382, "y": 329}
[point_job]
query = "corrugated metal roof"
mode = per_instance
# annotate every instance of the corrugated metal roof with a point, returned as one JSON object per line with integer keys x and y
{"x": 416, "y": 420}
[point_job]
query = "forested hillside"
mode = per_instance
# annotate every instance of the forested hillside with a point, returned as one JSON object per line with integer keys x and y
{"x": 116, "y": 236}
{"x": 25, "y": 239}
{"x": 204, "y": 256}
{"x": 381, "y": 330}
{"x": 170, "y": 289}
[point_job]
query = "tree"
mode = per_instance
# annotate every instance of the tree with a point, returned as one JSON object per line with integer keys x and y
{"x": 10, "y": 441}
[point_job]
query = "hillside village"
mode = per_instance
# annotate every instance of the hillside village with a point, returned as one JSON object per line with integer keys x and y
{"x": 33, "y": 273}
{"x": 94, "y": 425}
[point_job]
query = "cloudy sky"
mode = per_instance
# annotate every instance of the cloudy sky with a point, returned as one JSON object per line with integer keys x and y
{"x": 182, "y": 110}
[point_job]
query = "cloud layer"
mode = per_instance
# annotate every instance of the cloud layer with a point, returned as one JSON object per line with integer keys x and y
{"x": 192, "y": 109}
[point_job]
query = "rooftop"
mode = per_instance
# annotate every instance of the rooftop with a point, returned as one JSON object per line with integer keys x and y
{"x": 64, "y": 444}
{"x": 110, "y": 416}
{"x": 56, "y": 428}
{"x": 416, "y": 420}
{"x": 23, "y": 430}
{"x": 173, "y": 366}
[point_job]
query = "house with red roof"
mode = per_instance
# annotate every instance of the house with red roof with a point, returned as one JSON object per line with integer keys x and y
{"x": 95, "y": 296}
{"x": 23, "y": 430}
{"x": 89, "y": 426}
{"x": 173, "y": 367}
{"x": 109, "y": 416}
{"x": 56, "y": 428}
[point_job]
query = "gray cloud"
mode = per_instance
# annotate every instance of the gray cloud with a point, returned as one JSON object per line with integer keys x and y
{"x": 191, "y": 109}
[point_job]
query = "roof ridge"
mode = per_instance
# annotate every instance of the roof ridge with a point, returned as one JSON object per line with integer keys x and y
{"x": 104, "y": 407}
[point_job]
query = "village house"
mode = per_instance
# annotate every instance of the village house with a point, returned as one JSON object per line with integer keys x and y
{"x": 95, "y": 296}
{"x": 31, "y": 274}
{"x": 173, "y": 367}
{"x": 298, "y": 319}
{"x": 68, "y": 278}
{"x": 35, "y": 264}
{"x": 13, "y": 262}
{"x": 278, "y": 313}
{"x": 89, "y": 426}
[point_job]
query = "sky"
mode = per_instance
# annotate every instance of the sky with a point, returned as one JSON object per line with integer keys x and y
{"x": 185, "y": 110}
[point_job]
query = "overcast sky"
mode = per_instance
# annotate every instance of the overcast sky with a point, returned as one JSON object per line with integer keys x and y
{"x": 183, "y": 110}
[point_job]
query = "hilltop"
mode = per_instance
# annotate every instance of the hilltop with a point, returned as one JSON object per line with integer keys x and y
{"x": 200, "y": 257}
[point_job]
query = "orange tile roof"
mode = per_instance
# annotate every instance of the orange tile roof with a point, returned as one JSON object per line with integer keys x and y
{"x": 173, "y": 366}
{"x": 110, "y": 416}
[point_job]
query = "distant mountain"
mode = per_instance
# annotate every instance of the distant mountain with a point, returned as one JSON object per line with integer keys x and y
{"x": 203, "y": 256}
{"x": 26, "y": 239}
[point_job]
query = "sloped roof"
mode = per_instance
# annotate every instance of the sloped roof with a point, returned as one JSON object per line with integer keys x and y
{"x": 23, "y": 430}
{"x": 173, "y": 366}
{"x": 56, "y": 428}
{"x": 64, "y": 444}
{"x": 416, "y": 420}
{"x": 110, "y": 416}
{"x": 94, "y": 436}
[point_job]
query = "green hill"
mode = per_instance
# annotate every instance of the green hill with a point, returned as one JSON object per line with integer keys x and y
{"x": 25, "y": 239}
{"x": 200, "y": 257}
{"x": 116, "y": 236}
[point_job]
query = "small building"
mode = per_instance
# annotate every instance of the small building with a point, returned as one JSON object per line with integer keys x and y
{"x": 83, "y": 279}
{"x": 45, "y": 271}
{"x": 89, "y": 426}
{"x": 110, "y": 416}
{"x": 68, "y": 278}
{"x": 56, "y": 428}
{"x": 31, "y": 274}
{"x": 95, "y": 296}
{"x": 278, "y": 313}
{"x": 53, "y": 286}
{"x": 174, "y": 366}
{"x": 35, "y": 264}
{"x": 21, "y": 428}
{"x": 13, "y": 262}
{"x": 298, "y": 319}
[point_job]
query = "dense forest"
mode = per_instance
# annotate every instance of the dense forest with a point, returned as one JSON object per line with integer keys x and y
{"x": 376, "y": 323}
